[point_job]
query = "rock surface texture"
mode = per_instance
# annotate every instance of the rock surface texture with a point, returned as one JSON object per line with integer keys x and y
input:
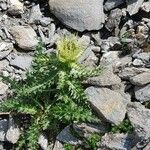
{"x": 79, "y": 14}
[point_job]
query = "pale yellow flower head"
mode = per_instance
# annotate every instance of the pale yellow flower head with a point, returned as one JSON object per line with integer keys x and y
{"x": 69, "y": 49}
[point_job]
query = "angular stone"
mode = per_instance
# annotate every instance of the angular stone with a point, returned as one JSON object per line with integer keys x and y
{"x": 129, "y": 72}
{"x": 22, "y": 62}
{"x": 16, "y": 7}
{"x": 107, "y": 103}
{"x": 139, "y": 117}
{"x": 65, "y": 136}
{"x": 78, "y": 14}
{"x": 110, "y": 4}
{"x": 117, "y": 141}
{"x": 106, "y": 79}
{"x": 141, "y": 79}
{"x": 43, "y": 142}
{"x": 3, "y": 88}
{"x": 58, "y": 146}
{"x": 25, "y": 37}
{"x": 142, "y": 93}
{"x": 133, "y": 6}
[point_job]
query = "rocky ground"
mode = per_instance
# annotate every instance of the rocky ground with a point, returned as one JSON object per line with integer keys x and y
{"x": 115, "y": 34}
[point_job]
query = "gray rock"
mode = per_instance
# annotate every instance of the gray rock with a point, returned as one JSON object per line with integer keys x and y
{"x": 22, "y": 62}
{"x": 88, "y": 58}
{"x": 138, "y": 63}
{"x": 79, "y": 15}
{"x": 16, "y": 7}
{"x": 114, "y": 19}
{"x": 5, "y": 49}
{"x": 25, "y": 37}
{"x": 107, "y": 103}
{"x": 13, "y": 132}
{"x": 86, "y": 129}
{"x": 141, "y": 79}
{"x": 3, "y": 88}
{"x": 3, "y": 129}
{"x": 3, "y": 64}
{"x": 117, "y": 141}
{"x": 35, "y": 15}
{"x": 106, "y": 79}
{"x": 129, "y": 72}
{"x": 139, "y": 117}
{"x": 65, "y": 136}
{"x": 142, "y": 93}
{"x": 110, "y": 4}
{"x": 145, "y": 57}
{"x": 133, "y": 6}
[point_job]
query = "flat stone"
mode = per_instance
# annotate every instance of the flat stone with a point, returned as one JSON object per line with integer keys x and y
{"x": 129, "y": 72}
{"x": 22, "y": 62}
{"x": 25, "y": 37}
{"x": 138, "y": 63}
{"x": 141, "y": 79}
{"x": 133, "y": 6}
{"x": 145, "y": 57}
{"x": 79, "y": 15}
{"x": 139, "y": 117}
{"x": 3, "y": 64}
{"x": 142, "y": 93}
{"x": 117, "y": 141}
{"x": 107, "y": 103}
{"x": 106, "y": 79}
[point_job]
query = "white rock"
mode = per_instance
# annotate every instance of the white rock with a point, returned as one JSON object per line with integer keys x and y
{"x": 16, "y": 7}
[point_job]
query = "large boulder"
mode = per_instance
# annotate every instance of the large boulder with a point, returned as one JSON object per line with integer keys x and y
{"x": 79, "y": 14}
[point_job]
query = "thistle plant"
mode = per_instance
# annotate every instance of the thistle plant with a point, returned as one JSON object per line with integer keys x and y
{"x": 52, "y": 93}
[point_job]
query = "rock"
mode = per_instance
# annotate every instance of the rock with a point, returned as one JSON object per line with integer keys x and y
{"x": 144, "y": 57}
{"x": 107, "y": 103}
{"x": 25, "y": 37}
{"x": 146, "y": 6}
{"x": 86, "y": 130}
{"x": 65, "y": 136}
{"x": 139, "y": 117}
{"x": 114, "y": 19}
{"x": 141, "y": 79}
{"x": 3, "y": 64}
{"x": 143, "y": 144}
{"x": 111, "y": 43}
{"x": 117, "y": 141}
{"x": 79, "y": 15}
{"x": 106, "y": 79}
{"x": 110, "y": 4}
{"x": 88, "y": 58}
{"x": 3, "y": 129}
{"x": 138, "y": 63}
{"x": 58, "y": 146}
{"x": 35, "y": 15}
{"x": 133, "y": 6}
{"x": 129, "y": 72}
{"x": 142, "y": 93}
{"x": 13, "y": 132}
{"x": 3, "y": 88}
{"x": 109, "y": 58}
{"x": 22, "y": 62}
{"x": 5, "y": 49}
{"x": 16, "y": 7}
{"x": 43, "y": 142}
